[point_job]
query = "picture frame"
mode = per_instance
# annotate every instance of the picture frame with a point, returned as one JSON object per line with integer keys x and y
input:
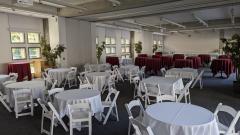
{"x": 18, "y": 53}
{"x": 34, "y": 53}
{"x": 17, "y": 37}
{"x": 33, "y": 38}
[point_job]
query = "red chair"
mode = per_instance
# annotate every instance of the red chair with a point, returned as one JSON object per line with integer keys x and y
{"x": 178, "y": 56}
{"x": 222, "y": 65}
{"x": 196, "y": 61}
{"x": 22, "y": 68}
{"x": 183, "y": 63}
{"x": 142, "y": 55}
{"x": 205, "y": 58}
{"x": 112, "y": 60}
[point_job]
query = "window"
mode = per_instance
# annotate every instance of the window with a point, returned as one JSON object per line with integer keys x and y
{"x": 111, "y": 45}
{"x": 34, "y": 52}
{"x": 97, "y": 42}
{"x": 122, "y": 41}
{"x": 127, "y": 42}
{"x": 18, "y": 53}
{"x": 33, "y": 38}
{"x": 17, "y": 37}
{"x": 108, "y": 40}
{"x": 125, "y": 45}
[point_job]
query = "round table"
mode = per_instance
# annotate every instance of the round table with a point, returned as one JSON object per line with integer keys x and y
{"x": 37, "y": 87}
{"x": 100, "y": 67}
{"x": 69, "y": 96}
{"x": 98, "y": 79}
{"x": 127, "y": 69}
{"x": 59, "y": 74}
{"x": 3, "y": 78}
{"x": 171, "y": 118}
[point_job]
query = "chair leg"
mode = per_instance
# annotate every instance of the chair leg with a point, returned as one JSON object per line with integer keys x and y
{"x": 52, "y": 125}
{"x": 201, "y": 84}
{"x": 108, "y": 114}
{"x": 189, "y": 98}
{"x": 42, "y": 122}
{"x": 32, "y": 107}
{"x": 90, "y": 127}
{"x": 71, "y": 128}
{"x": 16, "y": 110}
{"x": 116, "y": 111}
{"x": 5, "y": 105}
{"x": 129, "y": 127}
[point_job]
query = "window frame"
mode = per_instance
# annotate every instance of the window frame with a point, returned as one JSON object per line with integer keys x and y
{"x": 17, "y": 42}
{"x": 19, "y": 48}
{"x": 32, "y": 42}
{"x": 39, "y": 53}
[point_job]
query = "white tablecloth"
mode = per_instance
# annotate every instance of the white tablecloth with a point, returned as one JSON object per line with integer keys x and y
{"x": 127, "y": 69}
{"x": 126, "y": 61}
{"x": 180, "y": 119}
{"x": 98, "y": 79}
{"x": 167, "y": 85}
{"x": 67, "y": 97}
{"x": 100, "y": 67}
{"x": 186, "y": 71}
{"x": 59, "y": 74}
{"x": 3, "y": 78}
{"x": 37, "y": 87}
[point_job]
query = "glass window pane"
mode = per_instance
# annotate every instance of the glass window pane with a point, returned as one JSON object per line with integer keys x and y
{"x": 107, "y": 40}
{"x": 154, "y": 42}
{"x": 34, "y": 52}
{"x": 96, "y": 40}
{"x": 113, "y": 42}
{"x": 18, "y": 53}
{"x": 123, "y": 49}
{"x": 127, "y": 56}
{"x": 17, "y": 37}
{"x": 123, "y": 57}
{"x": 113, "y": 50}
{"x": 159, "y": 42}
{"x": 108, "y": 50}
{"x": 33, "y": 38}
{"x": 122, "y": 41}
{"x": 127, "y": 42}
{"x": 127, "y": 49}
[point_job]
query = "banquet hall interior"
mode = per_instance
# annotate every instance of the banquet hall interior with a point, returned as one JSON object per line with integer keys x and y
{"x": 119, "y": 67}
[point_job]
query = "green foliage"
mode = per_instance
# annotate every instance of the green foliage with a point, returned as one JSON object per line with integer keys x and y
{"x": 51, "y": 54}
{"x": 138, "y": 47}
{"x": 232, "y": 48}
{"x": 99, "y": 51}
{"x": 155, "y": 47}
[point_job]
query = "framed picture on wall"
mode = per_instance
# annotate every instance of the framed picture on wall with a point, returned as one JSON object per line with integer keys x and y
{"x": 17, "y": 37}
{"x": 34, "y": 52}
{"x": 18, "y": 53}
{"x": 33, "y": 38}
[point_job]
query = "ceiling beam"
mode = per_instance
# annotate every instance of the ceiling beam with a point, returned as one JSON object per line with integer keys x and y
{"x": 200, "y": 20}
{"x": 60, "y": 2}
{"x": 142, "y": 24}
{"x": 172, "y": 22}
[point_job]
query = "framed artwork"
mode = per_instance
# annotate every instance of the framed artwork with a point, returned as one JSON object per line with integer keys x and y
{"x": 33, "y": 38}
{"x": 122, "y": 41}
{"x": 18, "y": 53}
{"x": 127, "y": 42}
{"x": 107, "y": 41}
{"x": 34, "y": 52}
{"x": 113, "y": 41}
{"x": 17, "y": 37}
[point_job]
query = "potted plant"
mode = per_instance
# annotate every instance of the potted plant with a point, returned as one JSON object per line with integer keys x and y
{"x": 51, "y": 54}
{"x": 138, "y": 47}
{"x": 99, "y": 51}
{"x": 232, "y": 48}
{"x": 155, "y": 47}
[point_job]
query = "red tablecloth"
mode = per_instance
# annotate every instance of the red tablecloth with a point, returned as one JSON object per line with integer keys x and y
{"x": 224, "y": 57}
{"x": 140, "y": 61}
{"x": 178, "y": 56}
{"x": 113, "y": 60}
{"x": 205, "y": 58}
{"x": 142, "y": 55}
{"x": 154, "y": 64}
{"x": 167, "y": 61}
{"x": 222, "y": 65}
{"x": 158, "y": 53}
{"x": 156, "y": 56}
{"x": 196, "y": 61}
{"x": 22, "y": 68}
{"x": 183, "y": 63}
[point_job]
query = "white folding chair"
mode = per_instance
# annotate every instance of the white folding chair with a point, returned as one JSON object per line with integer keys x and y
{"x": 78, "y": 114}
{"x": 110, "y": 104}
{"x": 133, "y": 73}
{"x": 133, "y": 104}
{"x": 224, "y": 130}
{"x": 56, "y": 116}
{"x": 13, "y": 79}
{"x": 118, "y": 74}
{"x": 87, "y": 68}
{"x": 110, "y": 83}
{"x": 151, "y": 90}
{"x": 85, "y": 84}
{"x": 199, "y": 78}
{"x": 47, "y": 69}
{"x": 71, "y": 79}
{"x": 74, "y": 69}
{"x": 136, "y": 82}
{"x": 3, "y": 99}
{"x": 163, "y": 71}
{"x": 140, "y": 128}
{"x": 22, "y": 97}
{"x": 53, "y": 92}
{"x": 185, "y": 92}
{"x": 165, "y": 97}
{"x": 142, "y": 72}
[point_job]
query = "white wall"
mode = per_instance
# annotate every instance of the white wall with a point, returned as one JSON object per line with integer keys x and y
{"x": 198, "y": 42}
{"x": 10, "y": 22}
